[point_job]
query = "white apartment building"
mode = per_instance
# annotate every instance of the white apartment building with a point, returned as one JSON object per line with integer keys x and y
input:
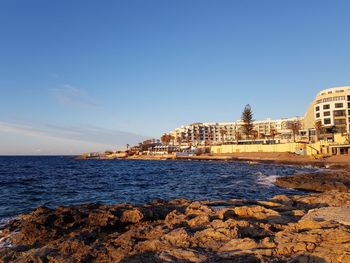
{"x": 219, "y": 132}
{"x": 332, "y": 108}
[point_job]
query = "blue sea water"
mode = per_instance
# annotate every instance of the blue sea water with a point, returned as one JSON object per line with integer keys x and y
{"x": 27, "y": 182}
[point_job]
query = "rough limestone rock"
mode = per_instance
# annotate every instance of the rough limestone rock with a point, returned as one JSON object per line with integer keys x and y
{"x": 330, "y": 198}
{"x": 338, "y": 181}
{"x": 327, "y": 241}
{"x": 309, "y": 228}
{"x": 340, "y": 214}
{"x": 258, "y": 212}
{"x": 131, "y": 216}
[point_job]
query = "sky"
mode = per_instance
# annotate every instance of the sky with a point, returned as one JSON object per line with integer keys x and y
{"x": 80, "y": 76}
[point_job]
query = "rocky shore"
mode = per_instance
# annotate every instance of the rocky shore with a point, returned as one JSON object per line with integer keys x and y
{"x": 310, "y": 228}
{"x": 305, "y": 228}
{"x": 338, "y": 180}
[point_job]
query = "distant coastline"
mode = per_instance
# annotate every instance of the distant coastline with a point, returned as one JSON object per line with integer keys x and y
{"x": 277, "y": 158}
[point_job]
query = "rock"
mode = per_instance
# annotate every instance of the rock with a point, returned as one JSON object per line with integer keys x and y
{"x": 308, "y": 228}
{"x": 239, "y": 245}
{"x": 257, "y": 212}
{"x": 225, "y": 213}
{"x": 284, "y": 200}
{"x": 181, "y": 255}
{"x": 199, "y": 221}
{"x": 340, "y": 214}
{"x": 214, "y": 238}
{"x": 330, "y": 198}
{"x": 131, "y": 216}
{"x": 196, "y": 208}
{"x": 98, "y": 218}
{"x": 175, "y": 218}
{"x": 321, "y": 239}
{"x": 178, "y": 238}
{"x": 321, "y": 182}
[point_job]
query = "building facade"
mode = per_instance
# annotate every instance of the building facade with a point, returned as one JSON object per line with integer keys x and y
{"x": 232, "y": 132}
{"x": 331, "y": 108}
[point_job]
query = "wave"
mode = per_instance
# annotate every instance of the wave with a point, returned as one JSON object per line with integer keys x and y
{"x": 5, "y": 240}
{"x": 4, "y": 221}
{"x": 266, "y": 180}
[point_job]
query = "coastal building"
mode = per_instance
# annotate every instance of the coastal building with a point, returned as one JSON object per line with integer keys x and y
{"x": 324, "y": 130}
{"x": 331, "y": 108}
{"x": 207, "y": 133}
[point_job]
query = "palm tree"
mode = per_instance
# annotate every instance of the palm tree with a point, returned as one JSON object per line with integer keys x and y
{"x": 188, "y": 140}
{"x": 198, "y": 138}
{"x": 223, "y": 132}
{"x": 318, "y": 127}
{"x": 179, "y": 140}
{"x": 238, "y": 136}
{"x": 295, "y": 127}
{"x": 273, "y": 133}
{"x": 255, "y": 134}
{"x": 172, "y": 139}
{"x": 210, "y": 136}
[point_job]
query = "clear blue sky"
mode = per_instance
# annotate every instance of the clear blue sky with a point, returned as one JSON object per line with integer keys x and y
{"x": 83, "y": 75}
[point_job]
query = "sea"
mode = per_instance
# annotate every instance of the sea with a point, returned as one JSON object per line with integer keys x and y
{"x": 27, "y": 182}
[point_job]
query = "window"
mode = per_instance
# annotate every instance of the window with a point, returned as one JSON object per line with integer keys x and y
{"x": 317, "y": 108}
{"x": 342, "y": 130}
{"x": 339, "y": 113}
{"x": 327, "y": 121}
{"x": 327, "y": 113}
{"x": 326, "y": 107}
{"x": 339, "y": 121}
{"x": 348, "y": 98}
{"x": 317, "y": 115}
{"x": 337, "y": 98}
{"x": 339, "y": 105}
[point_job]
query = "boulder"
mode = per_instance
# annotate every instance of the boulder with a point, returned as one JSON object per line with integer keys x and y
{"x": 340, "y": 214}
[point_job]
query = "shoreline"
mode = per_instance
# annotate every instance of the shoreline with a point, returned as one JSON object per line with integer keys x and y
{"x": 314, "y": 227}
{"x": 299, "y": 228}
{"x": 272, "y": 157}
{"x": 253, "y": 157}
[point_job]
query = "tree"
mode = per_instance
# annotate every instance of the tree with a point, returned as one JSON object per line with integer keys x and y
{"x": 210, "y": 137}
{"x": 295, "y": 127}
{"x": 198, "y": 138}
{"x": 179, "y": 140}
{"x": 166, "y": 138}
{"x": 223, "y": 132}
{"x": 318, "y": 127}
{"x": 247, "y": 118}
{"x": 238, "y": 136}
{"x": 273, "y": 133}
{"x": 172, "y": 139}
{"x": 255, "y": 134}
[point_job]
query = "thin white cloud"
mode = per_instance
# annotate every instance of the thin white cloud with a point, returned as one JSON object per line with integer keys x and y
{"x": 21, "y": 129}
{"x": 61, "y": 139}
{"x": 70, "y": 95}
